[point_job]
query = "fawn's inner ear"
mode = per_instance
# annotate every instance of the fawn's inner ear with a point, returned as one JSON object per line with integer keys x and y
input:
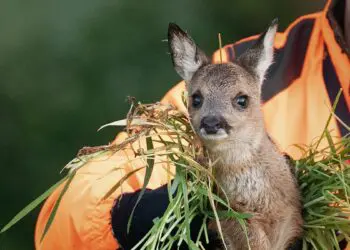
{"x": 186, "y": 56}
{"x": 258, "y": 58}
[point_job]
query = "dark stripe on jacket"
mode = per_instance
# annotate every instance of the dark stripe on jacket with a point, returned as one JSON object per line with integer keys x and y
{"x": 333, "y": 85}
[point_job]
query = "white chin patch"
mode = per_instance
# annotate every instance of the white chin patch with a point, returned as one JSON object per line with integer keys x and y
{"x": 220, "y": 135}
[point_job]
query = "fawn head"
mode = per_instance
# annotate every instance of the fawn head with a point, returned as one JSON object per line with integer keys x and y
{"x": 224, "y": 99}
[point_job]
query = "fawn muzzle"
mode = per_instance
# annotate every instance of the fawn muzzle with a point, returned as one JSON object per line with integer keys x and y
{"x": 214, "y": 127}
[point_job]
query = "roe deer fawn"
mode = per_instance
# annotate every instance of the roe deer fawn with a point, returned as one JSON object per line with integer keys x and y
{"x": 225, "y": 112}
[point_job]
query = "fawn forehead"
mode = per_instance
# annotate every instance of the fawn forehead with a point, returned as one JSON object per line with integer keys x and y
{"x": 227, "y": 78}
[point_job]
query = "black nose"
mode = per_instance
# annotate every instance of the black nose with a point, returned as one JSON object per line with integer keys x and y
{"x": 212, "y": 124}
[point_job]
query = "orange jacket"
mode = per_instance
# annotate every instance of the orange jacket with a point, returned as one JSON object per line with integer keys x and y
{"x": 310, "y": 67}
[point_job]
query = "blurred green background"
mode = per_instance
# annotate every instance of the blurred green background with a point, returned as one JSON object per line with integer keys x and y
{"x": 67, "y": 66}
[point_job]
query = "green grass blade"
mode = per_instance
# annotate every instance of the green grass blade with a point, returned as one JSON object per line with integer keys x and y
{"x": 55, "y": 208}
{"x": 330, "y": 141}
{"x": 120, "y": 182}
{"x": 31, "y": 206}
{"x": 212, "y": 203}
{"x": 149, "y": 170}
{"x": 329, "y": 117}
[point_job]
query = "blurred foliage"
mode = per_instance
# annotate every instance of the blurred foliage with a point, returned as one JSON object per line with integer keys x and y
{"x": 67, "y": 66}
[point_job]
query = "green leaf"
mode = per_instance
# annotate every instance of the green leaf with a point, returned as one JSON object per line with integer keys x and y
{"x": 149, "y": 170}
{"x": 55, "y": 208}
{"x": 31, "y": 206}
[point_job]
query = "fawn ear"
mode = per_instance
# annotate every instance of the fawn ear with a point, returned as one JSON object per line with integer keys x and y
{"x": 259, "y": 57}
{"x": 187, "y": 57}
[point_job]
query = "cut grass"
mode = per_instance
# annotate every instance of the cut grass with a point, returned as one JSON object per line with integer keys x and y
{"x": 323, "y": 176}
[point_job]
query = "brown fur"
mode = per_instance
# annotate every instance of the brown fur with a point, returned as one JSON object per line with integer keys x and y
{"x": 253, "y": 173}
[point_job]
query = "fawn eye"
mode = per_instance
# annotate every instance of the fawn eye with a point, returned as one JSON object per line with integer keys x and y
{"x": 241, "y": 101}
{"x": 197, "y": 100}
